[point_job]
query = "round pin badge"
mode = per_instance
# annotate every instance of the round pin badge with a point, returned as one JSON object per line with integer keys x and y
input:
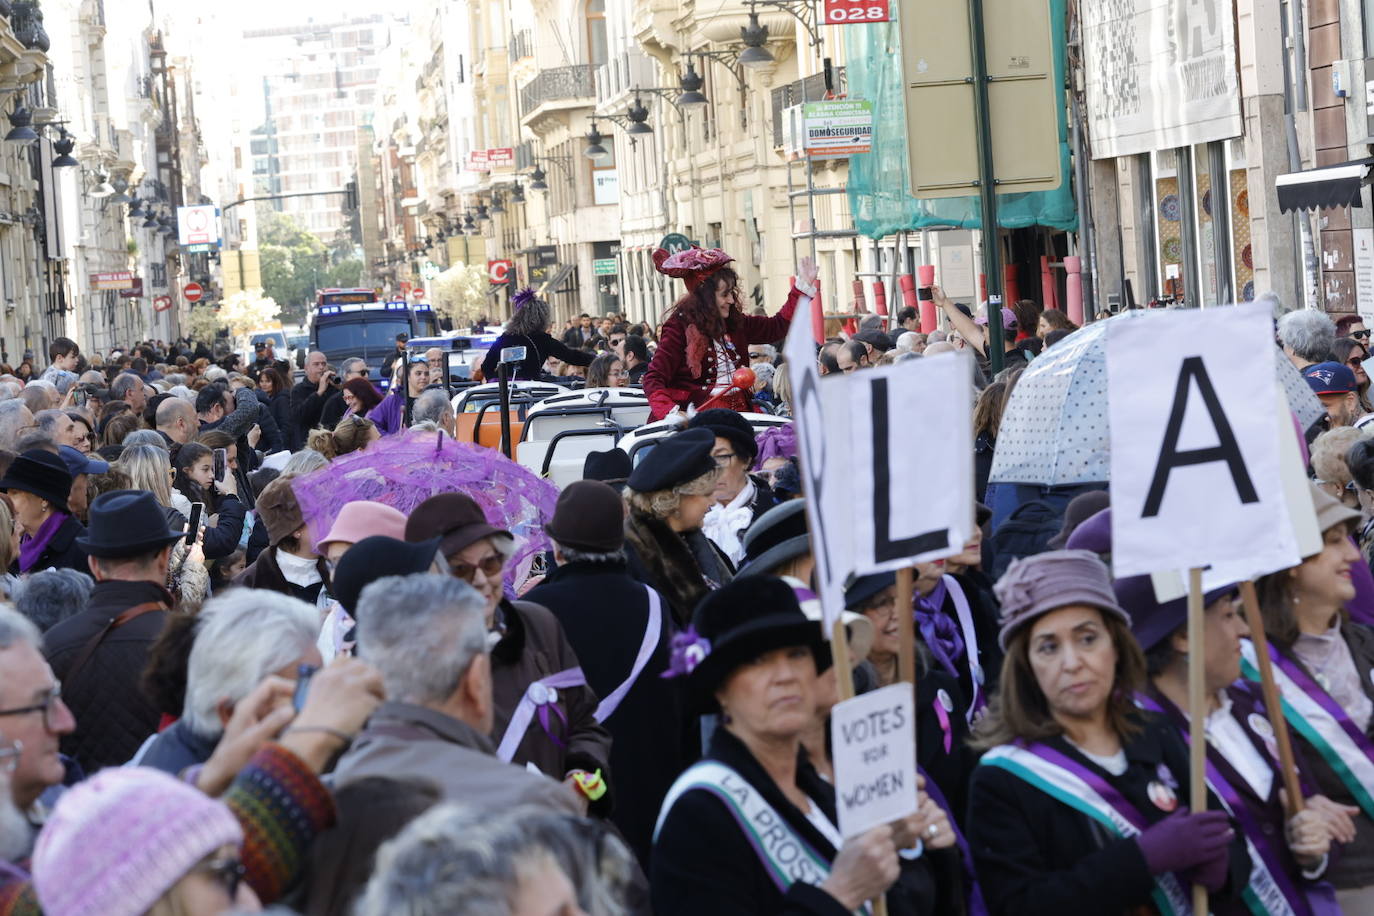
{"x": 979, "y": 677}
{"x": 943, "y": 696}
{"x": 1163, "y": 797}
{"x": 1260, "y": 725}
{"x": 539, "y": 694}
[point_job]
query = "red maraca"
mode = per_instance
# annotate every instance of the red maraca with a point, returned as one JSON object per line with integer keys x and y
{"x": 741, "y": 380}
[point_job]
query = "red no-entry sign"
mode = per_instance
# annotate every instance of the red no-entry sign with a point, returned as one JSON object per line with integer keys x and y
{"x": 193, "y": 292}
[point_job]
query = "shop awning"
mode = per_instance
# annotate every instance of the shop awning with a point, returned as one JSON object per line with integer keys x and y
{"x": 551, "y": 285}
{"x": 1329, "y": 186}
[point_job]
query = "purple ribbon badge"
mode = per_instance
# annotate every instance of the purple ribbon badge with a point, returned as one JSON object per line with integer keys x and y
{"x": 688, "y": 650}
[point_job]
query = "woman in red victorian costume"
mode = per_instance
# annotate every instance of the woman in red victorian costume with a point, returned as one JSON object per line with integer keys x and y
{"x": 707, "y": 335}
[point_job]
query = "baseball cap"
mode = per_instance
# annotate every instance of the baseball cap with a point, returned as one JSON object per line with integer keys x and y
{"x": 1008, "y": 319}
{"x": 1330, "y": 378}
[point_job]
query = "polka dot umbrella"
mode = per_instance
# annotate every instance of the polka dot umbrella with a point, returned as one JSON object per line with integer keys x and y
{"x": 1055, "y": 431}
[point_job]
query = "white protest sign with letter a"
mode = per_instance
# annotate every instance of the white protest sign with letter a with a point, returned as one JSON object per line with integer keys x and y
{"x": 911, "y": 438}
{"x": 1195, "y": 457}
{"x": 818, "y": 412}
{"x": 873, "y": 737}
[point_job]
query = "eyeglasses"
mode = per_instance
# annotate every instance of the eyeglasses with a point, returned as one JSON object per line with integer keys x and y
{"x": 1362, "y": 335}
{"x": 724, "y": 459}
{"x": 48, "y": 707}
{"x": 758, "y": 355}
{"x": 1354, "y": 361}
{"x": 490, "y": 566}
{"x": 228, "y": 873}
{"x": 887, "y": 605}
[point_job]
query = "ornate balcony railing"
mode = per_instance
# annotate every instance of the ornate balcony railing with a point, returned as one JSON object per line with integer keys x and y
{"x": 558, "y": 84}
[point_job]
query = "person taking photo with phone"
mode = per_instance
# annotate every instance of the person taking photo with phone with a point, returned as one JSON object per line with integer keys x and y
{"x": 203, "y": 477}
{"x": 529, "y": 328}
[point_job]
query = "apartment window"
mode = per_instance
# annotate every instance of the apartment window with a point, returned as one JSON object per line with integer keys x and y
{"x": 597, "y": 53}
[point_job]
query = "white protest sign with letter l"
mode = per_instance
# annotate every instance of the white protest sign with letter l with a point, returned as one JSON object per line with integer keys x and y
{"x": 1195, "y": 456}
{"x": 821, "y": 452}
{"x": 910, "y": 493}
{"x": 874, "y": 741}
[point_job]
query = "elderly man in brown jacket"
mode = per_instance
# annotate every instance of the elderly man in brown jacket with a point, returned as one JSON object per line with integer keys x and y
{"x": 545, "y": 713}
{"x": 426, "y": 635}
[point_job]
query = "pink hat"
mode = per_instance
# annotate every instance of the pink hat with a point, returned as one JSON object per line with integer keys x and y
{"x": 120, "y": 840}
{"x": 361, "y": 519}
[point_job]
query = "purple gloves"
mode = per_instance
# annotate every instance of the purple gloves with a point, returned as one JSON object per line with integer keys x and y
{"x": 1190, "y": 842}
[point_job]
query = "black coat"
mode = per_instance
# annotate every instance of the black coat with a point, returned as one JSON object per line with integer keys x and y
{"x": 223, "y": 539}
{"x": 334, "y": 409}
{"x": 985, "y": 611}
{"x": 949, "y": 768}
{"x": 1266, "y": 813}
{"x": 538, "y": 348}
{"x": 704, "y": 865}
{"x": 683, "y": 568}
{"x": 113, "y": 717}
{"x": 1036, "y": 855}
{"x": 62, "y": 551}
{"x": 275, "y": 420}
{"x": 604, "y": 612}
{"x": 307, "y": 405}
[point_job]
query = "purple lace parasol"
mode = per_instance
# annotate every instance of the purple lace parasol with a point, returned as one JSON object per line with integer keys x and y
{"x": 404, "y": 470}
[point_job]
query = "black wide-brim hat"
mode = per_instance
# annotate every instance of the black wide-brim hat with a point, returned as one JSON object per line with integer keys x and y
{"x": 777, "y": 536}
{"x": 41, "y": 473}
{"x": 126, "y": 523}
{"x": 742, "y": 621}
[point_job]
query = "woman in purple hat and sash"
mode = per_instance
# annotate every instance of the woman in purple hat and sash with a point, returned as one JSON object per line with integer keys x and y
{"x": 1288, "y": 855}
{"x": 1080, "y": 802}
{"x": 1324, "y": 664}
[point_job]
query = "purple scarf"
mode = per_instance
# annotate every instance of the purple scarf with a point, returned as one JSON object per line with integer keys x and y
{"x": 31, "y": 548}
{"x": 938, "y": 631}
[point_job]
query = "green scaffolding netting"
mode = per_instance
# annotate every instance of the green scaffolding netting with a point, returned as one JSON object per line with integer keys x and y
{"x": 879, "y": 192}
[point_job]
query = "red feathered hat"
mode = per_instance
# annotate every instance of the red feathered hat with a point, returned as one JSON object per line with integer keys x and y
{"x": 693, "y": 264}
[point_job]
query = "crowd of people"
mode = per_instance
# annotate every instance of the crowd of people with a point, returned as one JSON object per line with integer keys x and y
{"x": 211, "y": 703}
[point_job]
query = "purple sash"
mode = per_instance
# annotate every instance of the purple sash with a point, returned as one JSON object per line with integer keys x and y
{"x": 1109, "y": 792}
{"x": 974, "y": 893}
{"x": 1323, "y": 699}
{"x": 539, "y": 697}
{"x": 1319, "y": 898}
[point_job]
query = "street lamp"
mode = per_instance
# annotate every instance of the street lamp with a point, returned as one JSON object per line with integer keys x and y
{"x": 595, "y": 151}
{"x": 63, "y": 146}
{"x": 119, "y": 184}
{"x": 517, "y": 194}
{"x": 102, "y": 186}
{"x": 537, "y": 182}
{"x": 690, "y": 83}
{"x": 639, "y": 117}
{"x": 21, "y": 126}
{"x": 497, "y": 206}
{"x": 755, "y": 36}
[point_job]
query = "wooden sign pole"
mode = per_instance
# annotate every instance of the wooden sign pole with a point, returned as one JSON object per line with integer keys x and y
{"x": 844, "y": 686}
{"x": 1197, "y": 713}
{"x": 906, "y": 628}
{"x": 1273, "y": 705}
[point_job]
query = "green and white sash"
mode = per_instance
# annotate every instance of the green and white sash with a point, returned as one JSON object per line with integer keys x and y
{"x": 1073, "y": 784}
{"x": 1312, "y": 713}
{"x": 787, "y": 857}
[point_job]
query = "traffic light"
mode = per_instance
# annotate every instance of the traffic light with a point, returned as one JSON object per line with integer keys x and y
{"x": 351, "y": 196}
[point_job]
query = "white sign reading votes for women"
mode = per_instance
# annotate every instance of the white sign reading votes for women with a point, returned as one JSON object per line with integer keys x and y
{"x": 874, "y": 741}
{"x": 1195, "y": 456}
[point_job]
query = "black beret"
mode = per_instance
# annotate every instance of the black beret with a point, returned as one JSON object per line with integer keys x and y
{"x": 729, "y": 425}
{"x": 374, "y": 558}
{"x": 866, "y": 588}
{"x": 674, "y": 460}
